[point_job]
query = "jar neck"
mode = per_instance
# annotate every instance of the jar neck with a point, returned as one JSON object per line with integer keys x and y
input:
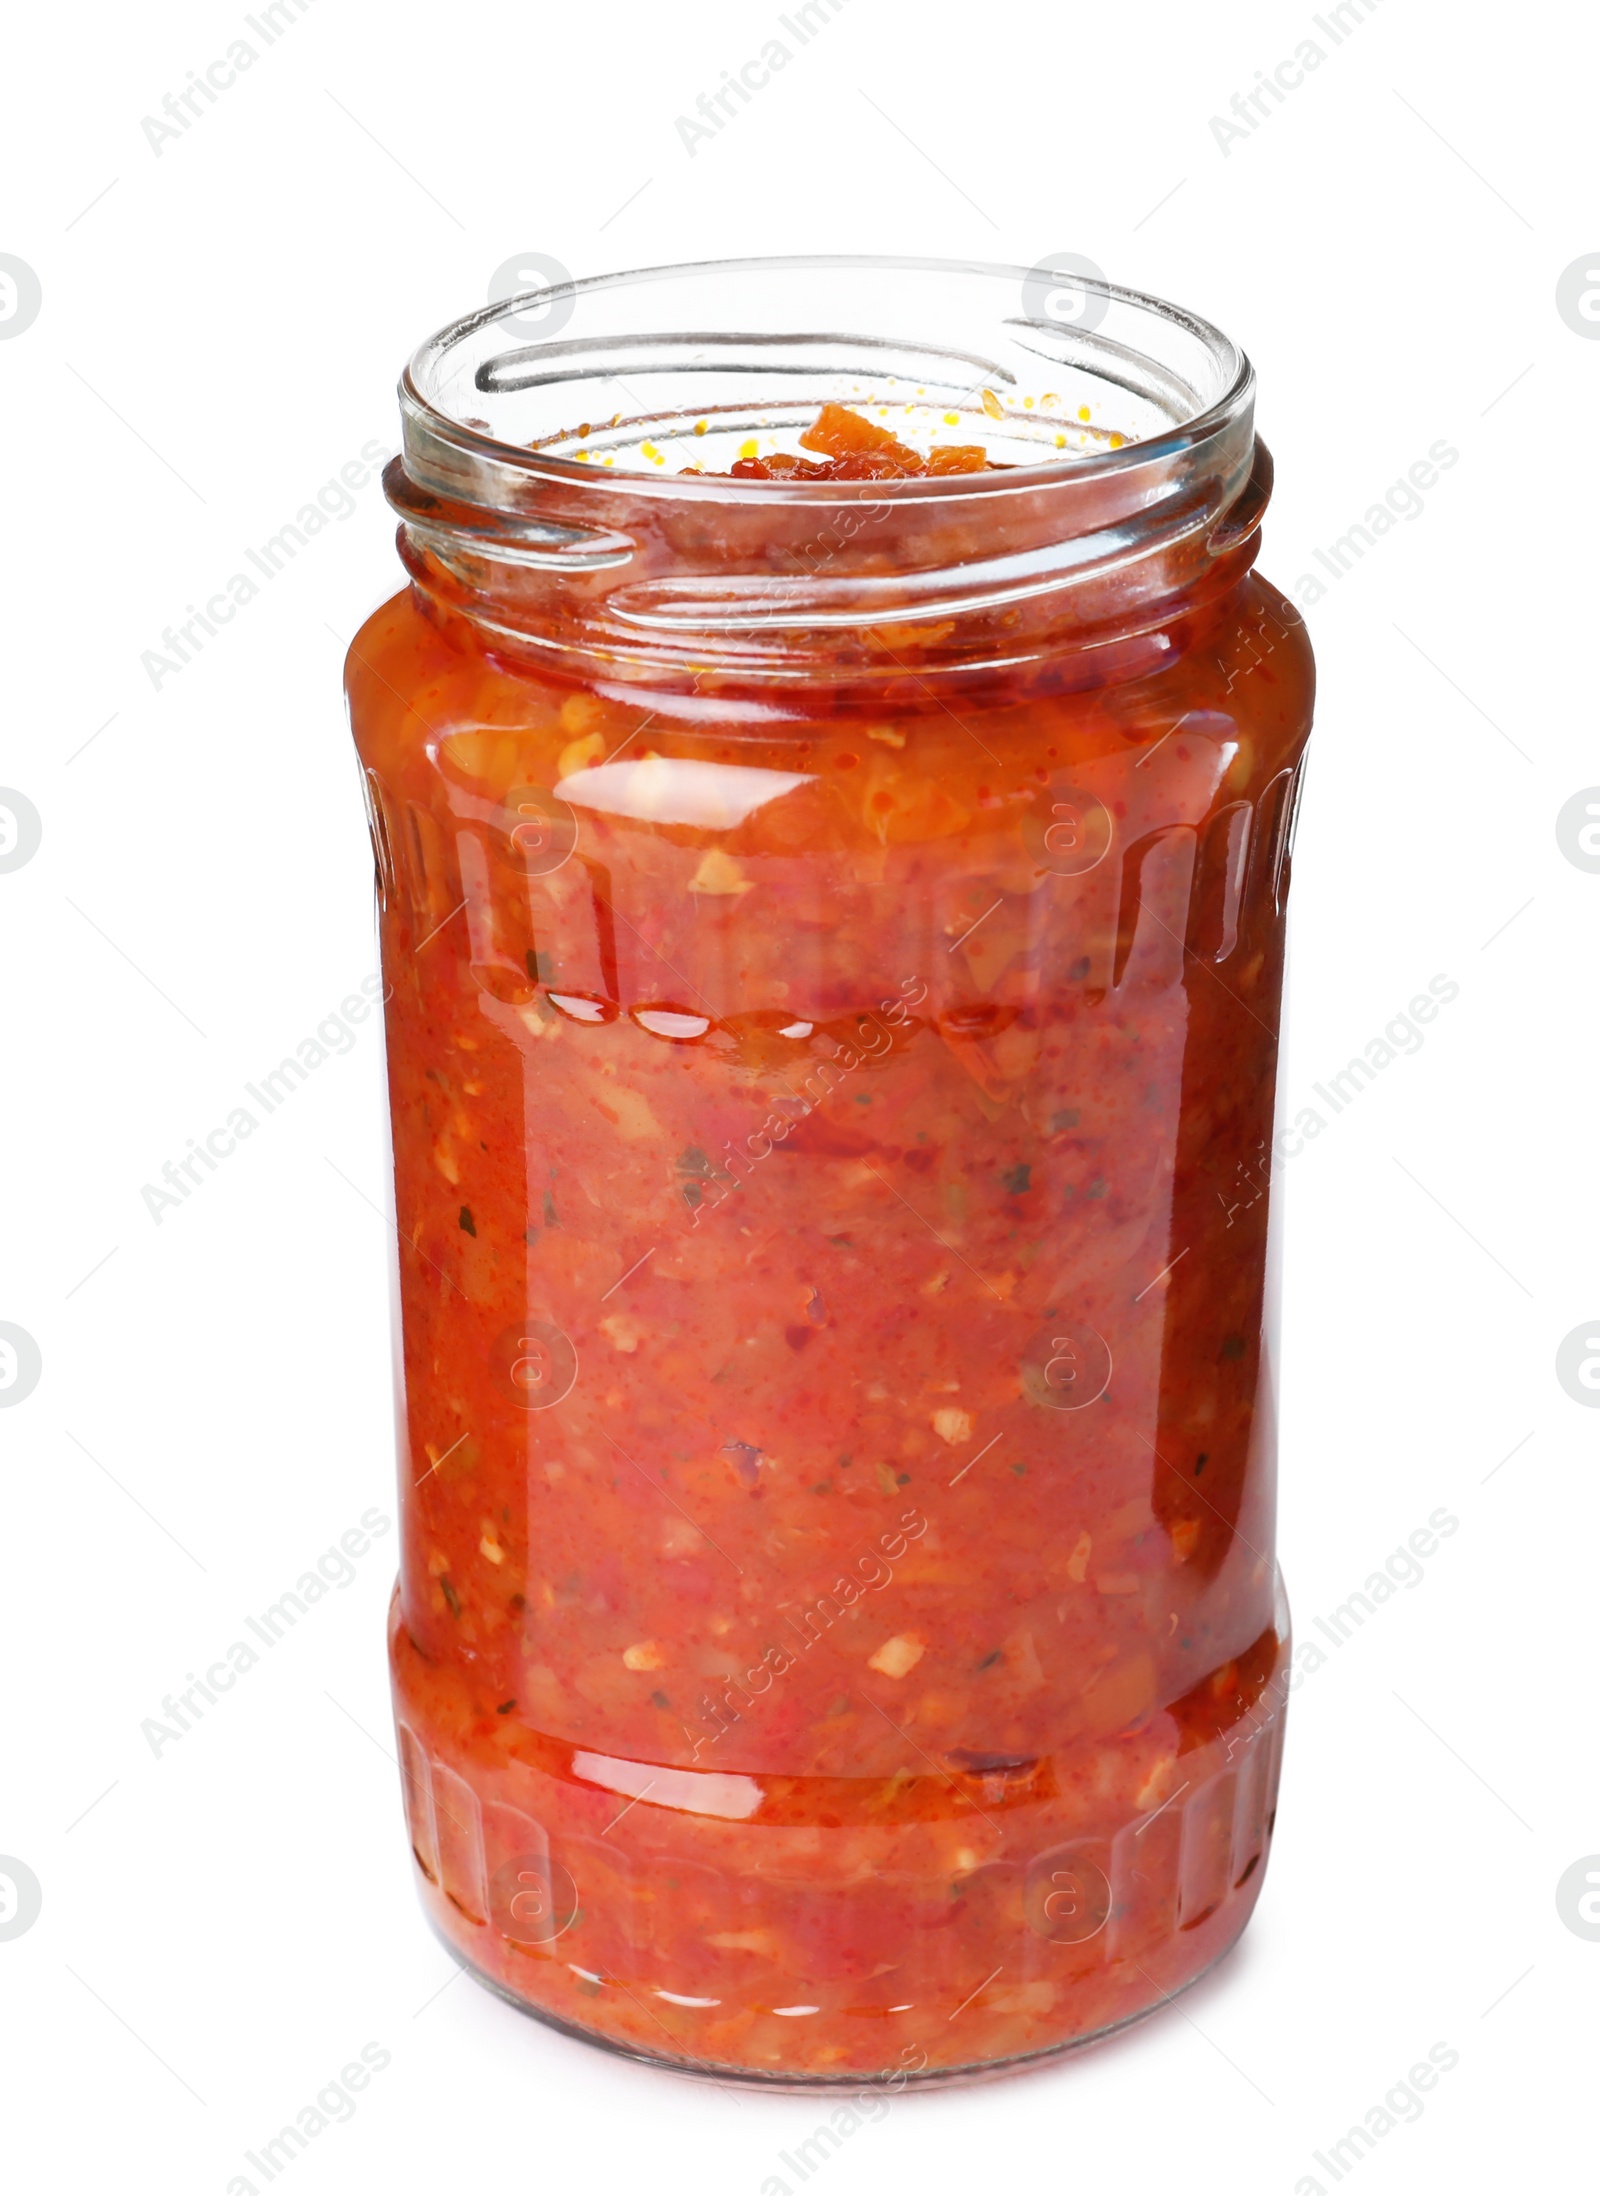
{"x": 865, "y": 593}
{"x": 1084, "y": 568}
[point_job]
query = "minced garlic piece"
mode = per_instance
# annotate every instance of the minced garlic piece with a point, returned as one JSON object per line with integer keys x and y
{"x": 898, "y": 1655}
{"x": 719, "y": 875}
{"x": 581, "y": 713}
{"x": 578, "y": 754}
{"x": 1154, "y": 1784}
{"x": 952, "y": 1425}
{"x": 538, "y": 1019}
{"x": 643, "y": 1655}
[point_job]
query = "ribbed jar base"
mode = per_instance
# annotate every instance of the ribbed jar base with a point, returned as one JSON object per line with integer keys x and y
{"x": 999, "y": 1927}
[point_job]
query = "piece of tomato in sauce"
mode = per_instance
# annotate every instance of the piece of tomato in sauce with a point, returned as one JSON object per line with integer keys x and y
{"x": 850, "y": 447}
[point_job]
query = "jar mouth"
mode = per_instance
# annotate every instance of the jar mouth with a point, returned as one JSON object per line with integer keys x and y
{"x": 1053, "y": 372}
{"x": 564, "y": 481}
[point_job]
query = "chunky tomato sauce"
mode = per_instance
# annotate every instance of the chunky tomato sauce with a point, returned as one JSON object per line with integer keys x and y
{"x": 836, "y": 1631}
{"x": 852, "y": 448}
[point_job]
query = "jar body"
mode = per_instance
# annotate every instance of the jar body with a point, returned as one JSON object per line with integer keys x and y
{"x": 837, "y": 1633}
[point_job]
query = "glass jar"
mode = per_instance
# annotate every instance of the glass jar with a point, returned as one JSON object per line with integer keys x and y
{"x": 833, "y": 930}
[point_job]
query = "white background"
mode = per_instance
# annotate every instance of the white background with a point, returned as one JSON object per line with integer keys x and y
{"x": 222, "y": 325}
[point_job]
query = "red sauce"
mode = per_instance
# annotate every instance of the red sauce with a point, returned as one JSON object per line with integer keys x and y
{"x": 836, "y": 1630}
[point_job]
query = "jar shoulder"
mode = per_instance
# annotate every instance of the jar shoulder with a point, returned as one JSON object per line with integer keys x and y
{"x": 431, "y": 707}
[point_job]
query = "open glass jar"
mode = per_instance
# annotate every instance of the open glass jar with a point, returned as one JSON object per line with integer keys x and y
{"x": 833, "y": 930}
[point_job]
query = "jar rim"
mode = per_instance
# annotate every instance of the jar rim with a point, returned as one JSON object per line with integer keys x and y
{"x": 428, "y": 420}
